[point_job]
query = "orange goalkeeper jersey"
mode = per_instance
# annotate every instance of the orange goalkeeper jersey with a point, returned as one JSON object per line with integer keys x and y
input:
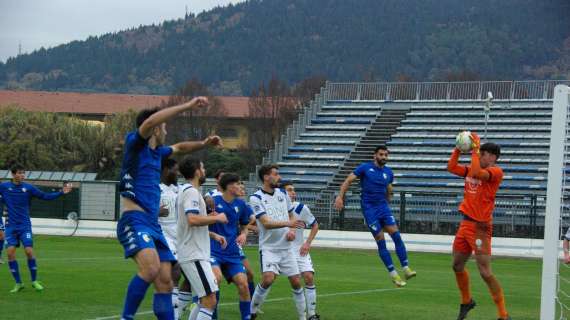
{"x": 479, "y": 195}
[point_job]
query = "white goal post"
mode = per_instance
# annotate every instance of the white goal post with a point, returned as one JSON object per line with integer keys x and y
{"x": 557, "y": 175}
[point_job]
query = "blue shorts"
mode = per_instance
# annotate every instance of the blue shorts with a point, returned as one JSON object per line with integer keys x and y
{"x": 230, "y": 266}
{"x": 136, "y": 232}
{"x": 14, "y": 235}
{"x": 377, "y": 217}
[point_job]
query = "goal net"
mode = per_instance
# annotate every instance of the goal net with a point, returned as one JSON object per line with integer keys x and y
{"x": 555, "y": 297}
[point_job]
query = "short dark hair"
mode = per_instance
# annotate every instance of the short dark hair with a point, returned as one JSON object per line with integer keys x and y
{"x": 381, "y": 147}
{"x": 266, "y": 169}
{"x": 188, "y": 167}
{"x": 491, "y": 148}
{"x": 16, "y": 167}
{"x": 228, "y": 178}
{"x": 286, "y": 183}
{"x": 218, "y": 174}
{"x": 168, "y": 163}
{"x": 145, "y": 114}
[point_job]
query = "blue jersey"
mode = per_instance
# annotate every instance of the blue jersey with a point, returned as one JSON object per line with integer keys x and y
{"x": 374, "y": 182}
{"x": 238, "y": 213}
{"x": 140, "y": 173}
{"x": 17, "y": 198}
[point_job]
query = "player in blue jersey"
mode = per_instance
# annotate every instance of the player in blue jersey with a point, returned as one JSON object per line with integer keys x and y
{"x": 1, "y": 228}
{"x": 17, "y": 196}
{"x": 376, "y": 192}
{"x": 138, "y": 229}
{"x": 228, "y": 261}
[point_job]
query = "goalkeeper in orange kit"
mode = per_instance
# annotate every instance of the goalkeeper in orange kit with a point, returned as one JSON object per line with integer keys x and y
{"x": 482, "y": 180}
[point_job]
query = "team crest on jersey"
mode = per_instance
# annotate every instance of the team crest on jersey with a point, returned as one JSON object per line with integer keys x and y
{"x": 146, "y": 237}
{"x": 385, "y": 176}
{"x": 195, "y": 203}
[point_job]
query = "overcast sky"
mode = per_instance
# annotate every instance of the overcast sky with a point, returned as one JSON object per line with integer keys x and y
{"x": 49, "y": 23}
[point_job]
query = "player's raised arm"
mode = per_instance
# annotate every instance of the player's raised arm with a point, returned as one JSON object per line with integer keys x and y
{"x": 37, "y": 193}
{"x": 453, "y": 165}
{"x": 339, "y": 202}
{"x": 191, "y": 146}
{"x": 146, "y": 128}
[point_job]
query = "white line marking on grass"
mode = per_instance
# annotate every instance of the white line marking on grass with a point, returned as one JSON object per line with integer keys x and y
{"x": 275, "y": 300}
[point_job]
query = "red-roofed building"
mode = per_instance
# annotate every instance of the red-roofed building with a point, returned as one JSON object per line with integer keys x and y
{"x": 95, "y": 106}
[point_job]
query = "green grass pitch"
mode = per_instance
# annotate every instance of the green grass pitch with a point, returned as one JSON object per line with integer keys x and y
{"x": 86, "y": 278}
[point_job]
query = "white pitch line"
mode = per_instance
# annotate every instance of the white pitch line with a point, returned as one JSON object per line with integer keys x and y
{"x": 274, "y": 300}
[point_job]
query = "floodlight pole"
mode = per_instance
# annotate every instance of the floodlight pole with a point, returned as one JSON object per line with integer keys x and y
{"x": 488, "y": 103}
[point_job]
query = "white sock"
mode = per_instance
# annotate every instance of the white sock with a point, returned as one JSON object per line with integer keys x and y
{"x": 405, "y": 268}
{"x": 311, "y": 296}
{"x": 393, "y": 273}
{"x": 205, "y": 314}
{"x": 300, "y": 303}
{"x": 184, "y": 298}
{"x": 175, "y": 292}
{"x": 258, "y": 298}
{"x": 194, "y": 313}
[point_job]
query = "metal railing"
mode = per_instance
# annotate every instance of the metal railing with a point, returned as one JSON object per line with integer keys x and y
{"x": 442, "y": 91}
{"x": 520, "y": 216}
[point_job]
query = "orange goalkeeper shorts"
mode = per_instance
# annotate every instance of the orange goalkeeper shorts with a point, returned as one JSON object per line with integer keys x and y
{"x": 473, "y": 236}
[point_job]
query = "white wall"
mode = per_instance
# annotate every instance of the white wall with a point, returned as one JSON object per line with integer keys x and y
{"x": 326, "y": 238}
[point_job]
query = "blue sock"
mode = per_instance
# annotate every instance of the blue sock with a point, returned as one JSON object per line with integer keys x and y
{"x": 195, "y": 299}
{"x": 251, "y": 286}
{"x": 385, "y": 255}
{"x": 135, "y": 294}
{"x": 400, "y": 248}
{"x": 13, "y": 265}
{"x": 244, "y": 309}
{"x": 162, "y": 306}
{"x": 215, "y": 315}
{"x": 33, "y": 269}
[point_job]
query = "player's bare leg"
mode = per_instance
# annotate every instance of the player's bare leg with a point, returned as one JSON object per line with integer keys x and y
{"x": 484, "y": 265}
{"x": 462, "y": 278}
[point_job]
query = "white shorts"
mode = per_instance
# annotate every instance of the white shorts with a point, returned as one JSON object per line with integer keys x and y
{"x": 199, "y": 274}
{"x": 281, "y": 261}
{"x": 304, "y": 262}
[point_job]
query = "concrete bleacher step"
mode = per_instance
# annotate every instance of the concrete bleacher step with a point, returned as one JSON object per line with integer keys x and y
{"x": 498, "y": 114}
{"x": 331, "y": 135}
{"x": 478, "y": 121}
{"x": 497, "y": 107}
{"x": 457, "y": 128}
{"x": 337, "y": 128}
{"x": 325, "y": 142}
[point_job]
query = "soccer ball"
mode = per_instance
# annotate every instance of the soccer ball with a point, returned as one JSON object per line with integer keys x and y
{"x": 463, "y": 141}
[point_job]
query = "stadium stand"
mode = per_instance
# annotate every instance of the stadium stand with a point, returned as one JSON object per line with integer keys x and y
{"x": 419, "y": 122}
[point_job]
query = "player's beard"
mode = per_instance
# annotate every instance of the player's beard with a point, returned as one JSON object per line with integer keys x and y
{"x": 381, "y": 163}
